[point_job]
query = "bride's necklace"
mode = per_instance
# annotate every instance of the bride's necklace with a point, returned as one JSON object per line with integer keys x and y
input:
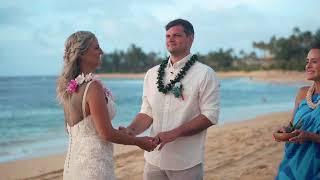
{"x": 175, "y": 86}
{"x": 309, "y": 97}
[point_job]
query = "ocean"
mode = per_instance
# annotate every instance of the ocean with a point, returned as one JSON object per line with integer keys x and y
{"x": 32, "y": 122}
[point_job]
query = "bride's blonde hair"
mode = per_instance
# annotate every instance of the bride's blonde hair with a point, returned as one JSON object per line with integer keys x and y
{"x": 76, "y": 44}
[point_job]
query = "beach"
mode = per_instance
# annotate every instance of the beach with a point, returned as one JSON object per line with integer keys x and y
{"x": 244, "y": 149}
{"x": 276, "y": 76}
{"x": 240, "y": 150}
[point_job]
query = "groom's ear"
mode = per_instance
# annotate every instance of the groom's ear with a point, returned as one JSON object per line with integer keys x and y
{"x": 190, "y": 39}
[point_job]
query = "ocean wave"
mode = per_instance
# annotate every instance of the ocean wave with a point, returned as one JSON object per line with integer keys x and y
{"x": 32, "y": 123}
{"x": 21, "y": 113}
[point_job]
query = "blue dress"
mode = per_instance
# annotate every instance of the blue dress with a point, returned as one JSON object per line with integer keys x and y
{"x": 302, "y": 161}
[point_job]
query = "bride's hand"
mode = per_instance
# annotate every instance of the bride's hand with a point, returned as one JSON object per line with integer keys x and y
{"x": 146, "y": 143}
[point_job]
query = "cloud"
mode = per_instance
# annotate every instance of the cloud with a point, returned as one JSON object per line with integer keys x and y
{"x": 35, "y": 32}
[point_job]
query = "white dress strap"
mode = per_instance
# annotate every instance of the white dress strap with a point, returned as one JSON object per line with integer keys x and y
{"x": 84, "y": 99}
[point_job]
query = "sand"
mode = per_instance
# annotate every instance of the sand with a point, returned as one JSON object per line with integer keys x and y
{"x": 275, "y": 76}
{"x": 240, "y": 150}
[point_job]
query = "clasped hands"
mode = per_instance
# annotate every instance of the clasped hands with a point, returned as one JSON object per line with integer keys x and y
{"x": 160, "y": 139}
{"x": 300, "y": 135}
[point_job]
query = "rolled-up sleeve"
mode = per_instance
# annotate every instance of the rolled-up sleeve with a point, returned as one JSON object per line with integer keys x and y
{"x": 145, "y": 107}
{"x": 209, "y": 96}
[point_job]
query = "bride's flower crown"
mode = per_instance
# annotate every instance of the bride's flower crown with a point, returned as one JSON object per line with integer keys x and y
{"x": 74, "y": 84}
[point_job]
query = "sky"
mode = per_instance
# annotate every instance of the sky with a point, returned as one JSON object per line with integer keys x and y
{"x": 32, "y": 33}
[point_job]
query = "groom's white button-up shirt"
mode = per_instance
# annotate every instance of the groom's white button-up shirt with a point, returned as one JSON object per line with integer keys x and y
{"x": 201, "y": 96}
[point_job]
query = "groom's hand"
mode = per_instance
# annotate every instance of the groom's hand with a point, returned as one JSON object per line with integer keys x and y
{"x": 165, "y": 137}
{"x": 127, "y": 131}
{"x": 146, "y": 143}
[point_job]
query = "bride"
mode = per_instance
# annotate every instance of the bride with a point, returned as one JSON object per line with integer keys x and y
{"x": 88, "y": 110}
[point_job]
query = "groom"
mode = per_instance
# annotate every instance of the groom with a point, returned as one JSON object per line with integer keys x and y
{"x": 180, "y": 101}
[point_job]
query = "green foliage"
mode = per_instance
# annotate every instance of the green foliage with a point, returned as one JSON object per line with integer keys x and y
{"x": 221, "y": 60}
{"x": 134, "y": 60}
{"x": 292, "y": 127}
{"x": 286, "y": 53}
{"x": 289, "y": 53}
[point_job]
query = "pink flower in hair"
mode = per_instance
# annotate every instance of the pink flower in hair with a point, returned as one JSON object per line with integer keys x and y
{"x": 108, "y": 92}
{"x": 72, "y": 86}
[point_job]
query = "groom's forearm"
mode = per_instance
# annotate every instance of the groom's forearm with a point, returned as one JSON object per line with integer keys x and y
{"x": 140, "y": 123}
{"x": 195, "y": 126}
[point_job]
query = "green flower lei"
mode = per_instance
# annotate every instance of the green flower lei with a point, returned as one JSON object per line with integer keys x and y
{"x": 167, "y": 88}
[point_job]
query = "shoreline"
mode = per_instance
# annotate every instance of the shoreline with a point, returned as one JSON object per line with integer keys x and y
{"x": 235, "y": 150}
{"x": 273, "y": 76}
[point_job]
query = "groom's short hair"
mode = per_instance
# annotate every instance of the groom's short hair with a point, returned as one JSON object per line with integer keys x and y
{"x": 315, "y": 45}
{"x": 187, "y": 26}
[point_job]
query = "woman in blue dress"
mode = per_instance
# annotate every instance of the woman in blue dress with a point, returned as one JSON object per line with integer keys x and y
{"x": 302, "y": 152}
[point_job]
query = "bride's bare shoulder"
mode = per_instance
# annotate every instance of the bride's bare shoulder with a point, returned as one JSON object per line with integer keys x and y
{"x": 95, "y": 87}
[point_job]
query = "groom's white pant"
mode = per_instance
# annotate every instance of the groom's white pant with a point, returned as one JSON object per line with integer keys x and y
{"x": 155, "y": 173}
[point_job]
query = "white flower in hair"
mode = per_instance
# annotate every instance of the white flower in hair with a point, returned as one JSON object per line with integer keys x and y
{"x": 88, "y": 77}
{"x": 80, "y": 79}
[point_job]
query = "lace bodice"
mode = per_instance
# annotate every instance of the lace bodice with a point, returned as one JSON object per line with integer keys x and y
{"x": 89, "y": 157}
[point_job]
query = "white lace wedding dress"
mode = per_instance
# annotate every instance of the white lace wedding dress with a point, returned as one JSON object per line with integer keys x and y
{"x": 88, "y": 158}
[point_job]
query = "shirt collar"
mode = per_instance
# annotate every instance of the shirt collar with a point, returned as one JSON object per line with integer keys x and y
{"x": 180, "y": 63}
